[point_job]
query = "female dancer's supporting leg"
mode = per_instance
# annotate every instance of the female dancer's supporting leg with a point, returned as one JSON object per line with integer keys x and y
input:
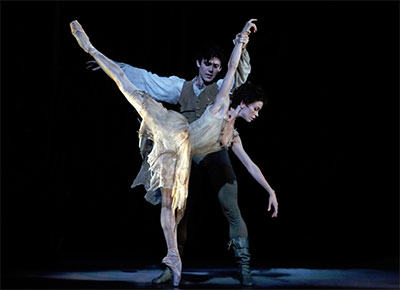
{"x": 169, "y": 226}
{"x": 168, "y": 220}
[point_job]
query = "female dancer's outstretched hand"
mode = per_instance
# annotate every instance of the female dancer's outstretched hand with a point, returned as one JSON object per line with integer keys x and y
{"x": 243, "y": 36}
{"x": 273, "y": 202}
{"x": 248, "y": 26}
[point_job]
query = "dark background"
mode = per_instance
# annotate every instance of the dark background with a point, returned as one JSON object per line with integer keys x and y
{"x": 327, "y": 141}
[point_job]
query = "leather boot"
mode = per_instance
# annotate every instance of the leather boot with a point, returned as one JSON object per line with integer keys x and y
{"x": 166, "y": 275}
{"x": 242, "y": 255}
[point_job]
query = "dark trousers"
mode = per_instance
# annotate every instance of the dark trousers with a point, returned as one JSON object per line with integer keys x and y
{"x": 216, "y": 171}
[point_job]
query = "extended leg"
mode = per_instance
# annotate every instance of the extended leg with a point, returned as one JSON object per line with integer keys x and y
{"x": 129, "y": 90}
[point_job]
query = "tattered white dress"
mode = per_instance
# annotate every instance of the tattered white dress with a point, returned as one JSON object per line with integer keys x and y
{"x": 175, "y": 142}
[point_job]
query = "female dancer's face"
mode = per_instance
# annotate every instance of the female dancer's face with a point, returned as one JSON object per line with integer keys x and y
{"x": 250, "y": 112}
{"x": 208, "y": 69}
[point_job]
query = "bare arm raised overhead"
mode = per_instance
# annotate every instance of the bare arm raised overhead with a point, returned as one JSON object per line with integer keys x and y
{"x": 221, "y": 104}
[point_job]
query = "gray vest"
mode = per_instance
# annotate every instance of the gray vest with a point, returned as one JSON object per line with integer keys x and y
{"x": 192, "y": 106}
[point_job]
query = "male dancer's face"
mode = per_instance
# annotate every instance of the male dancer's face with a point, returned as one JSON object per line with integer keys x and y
{"x": 208, "y": 69}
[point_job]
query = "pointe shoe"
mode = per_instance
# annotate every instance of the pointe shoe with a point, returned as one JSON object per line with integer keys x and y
{"x": 165, "y": 277}
{"x": 81, "y": 37}
{"x": 173, "y": 261}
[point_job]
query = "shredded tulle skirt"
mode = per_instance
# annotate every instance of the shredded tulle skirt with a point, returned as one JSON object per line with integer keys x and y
{"x": 174, "y": 143}
{"x": 168, "y": 163}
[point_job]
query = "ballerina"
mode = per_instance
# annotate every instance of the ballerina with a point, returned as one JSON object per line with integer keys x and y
{"x": 175, "y": 140}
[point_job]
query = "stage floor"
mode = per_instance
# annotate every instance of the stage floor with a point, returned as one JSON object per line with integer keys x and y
{"x": 204, "y": 278}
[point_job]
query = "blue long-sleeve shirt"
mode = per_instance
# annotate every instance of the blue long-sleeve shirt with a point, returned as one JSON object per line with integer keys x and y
{"x": 168, "y": 89}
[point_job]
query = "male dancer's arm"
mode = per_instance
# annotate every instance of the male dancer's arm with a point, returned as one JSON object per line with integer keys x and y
{"x": 254, "y": 170}
{"x": 244, "y": 68}
{"x": 165, "y": 89}
{"x": 221, "y": 103}
{"x": 242, "y": 72}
